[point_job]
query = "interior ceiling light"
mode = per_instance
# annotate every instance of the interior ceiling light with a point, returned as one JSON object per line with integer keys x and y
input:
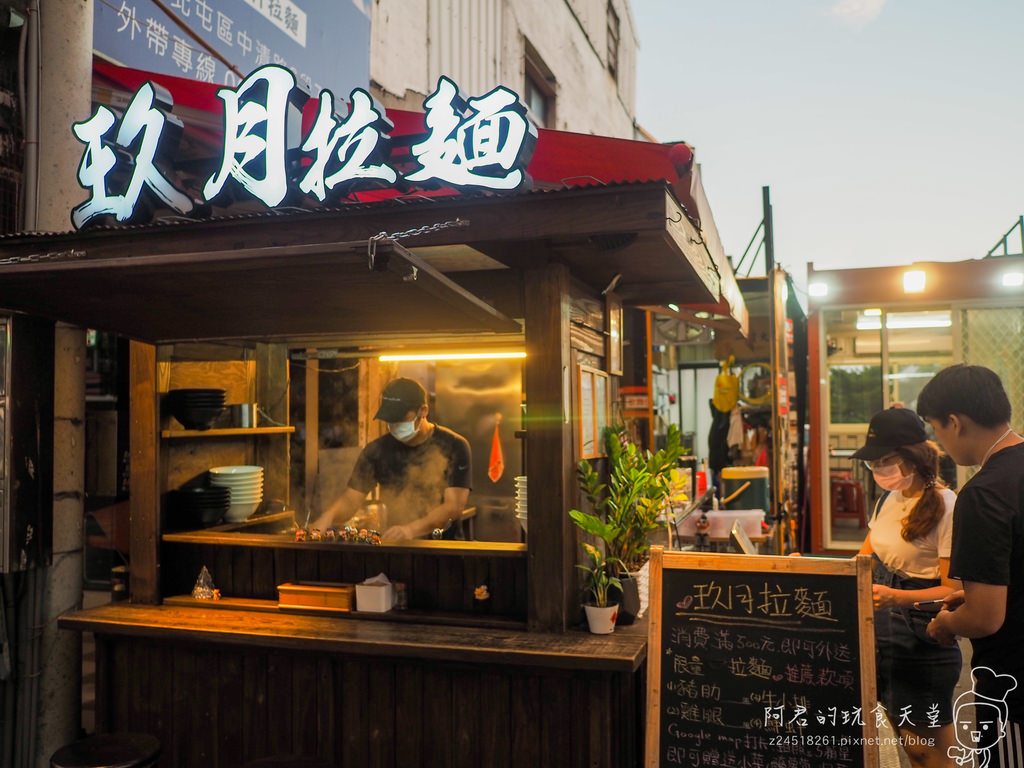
{"x": 452, "y": 356}
{"x": 913, "y": 281}
{"x": 818, "y": 289}
{"x": 674, "y": 307}
{"x": 1013, "y": 279}
{"x": 904, "y": 320}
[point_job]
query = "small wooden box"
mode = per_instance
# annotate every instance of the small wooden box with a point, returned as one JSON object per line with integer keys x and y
{"x": 316, "y": 596}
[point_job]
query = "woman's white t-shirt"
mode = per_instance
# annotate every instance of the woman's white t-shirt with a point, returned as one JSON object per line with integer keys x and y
{"x": 917, "y": 559}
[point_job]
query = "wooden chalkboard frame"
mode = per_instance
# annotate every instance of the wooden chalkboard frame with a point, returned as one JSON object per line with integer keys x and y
{"x": 857, "y": 568}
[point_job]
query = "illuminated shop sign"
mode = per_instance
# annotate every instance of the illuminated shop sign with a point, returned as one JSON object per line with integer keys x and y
{"x": 483, "y": 142}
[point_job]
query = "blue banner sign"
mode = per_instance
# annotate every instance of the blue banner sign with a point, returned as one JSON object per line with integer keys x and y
{"x": 483, "y": 142}
{"x": 326, "y": 43}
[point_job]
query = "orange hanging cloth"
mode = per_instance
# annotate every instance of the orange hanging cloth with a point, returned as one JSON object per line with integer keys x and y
{"x": 496, "y": 466}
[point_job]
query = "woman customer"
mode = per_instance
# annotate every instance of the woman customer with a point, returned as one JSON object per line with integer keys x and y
{"x": 909, "y": 538}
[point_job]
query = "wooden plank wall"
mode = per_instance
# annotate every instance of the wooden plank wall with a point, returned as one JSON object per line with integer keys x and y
{"x": 443, "y": 583}
{"x": 221, "y": 707}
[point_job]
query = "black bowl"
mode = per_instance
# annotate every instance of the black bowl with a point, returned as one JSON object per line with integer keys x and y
{"x": 196, "y": 507}
{"x": 176, "y": 393}
{"x": 197, "y": 418}
{"x": 184, "y": 519}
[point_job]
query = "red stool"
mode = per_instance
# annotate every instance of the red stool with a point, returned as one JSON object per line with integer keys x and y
{"x": 847, "y": 499}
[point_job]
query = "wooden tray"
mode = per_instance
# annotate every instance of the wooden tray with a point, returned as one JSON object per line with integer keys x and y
{"x": 316, "y": 596}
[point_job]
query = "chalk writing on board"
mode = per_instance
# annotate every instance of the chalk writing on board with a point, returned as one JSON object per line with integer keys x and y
{"x": 760, "y": 670}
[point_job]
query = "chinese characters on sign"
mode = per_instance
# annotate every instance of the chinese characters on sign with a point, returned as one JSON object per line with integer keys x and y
{"x": 478, "y": 142}
{"x": 326, "y": 45}
{"x": 760, "y": 670}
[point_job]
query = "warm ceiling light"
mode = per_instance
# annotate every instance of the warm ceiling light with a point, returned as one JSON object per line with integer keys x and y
{"x": 872, "y": 313}
{"x": 674, "y": 307}
{"x": 452, "y": 356}
{"x": 913, "y": 281}
{"x": 818, "y": 289}
{"x": 1013, "y": 279}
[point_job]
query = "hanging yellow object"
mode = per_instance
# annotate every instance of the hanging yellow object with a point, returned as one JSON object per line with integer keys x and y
{"x": 727, "y": 387}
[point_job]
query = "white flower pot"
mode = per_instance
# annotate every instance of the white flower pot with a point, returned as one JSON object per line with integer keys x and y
{"x": 601, "y": 620}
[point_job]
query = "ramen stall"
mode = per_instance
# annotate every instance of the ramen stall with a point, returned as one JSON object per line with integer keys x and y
{"x": 223, "y": 300}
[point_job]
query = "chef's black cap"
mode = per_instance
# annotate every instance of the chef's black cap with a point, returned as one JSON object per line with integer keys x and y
{"x": 399, "y": 397}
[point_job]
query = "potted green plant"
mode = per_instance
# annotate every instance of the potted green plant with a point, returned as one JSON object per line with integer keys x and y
{"x": 626, "y": 507}
{"x": 599, "y": 584}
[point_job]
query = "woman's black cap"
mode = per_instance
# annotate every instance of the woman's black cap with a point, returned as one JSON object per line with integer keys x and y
{"x": 889, "y": 430}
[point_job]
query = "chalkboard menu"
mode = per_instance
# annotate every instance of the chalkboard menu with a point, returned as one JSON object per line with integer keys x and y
{"x": 760, "y": 662}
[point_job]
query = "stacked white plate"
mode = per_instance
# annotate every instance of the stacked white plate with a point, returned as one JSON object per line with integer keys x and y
{"x": 246, "y": 486}
{"x": 521, "y": 500}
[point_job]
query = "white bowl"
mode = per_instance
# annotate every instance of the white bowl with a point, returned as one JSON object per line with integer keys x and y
{"x": 221, "y": 482}
{"x": 236, "y": 469}
{"x": 237, "y": 495}
{"x": 238, "y": 512}
{"x": 247, "y": 498}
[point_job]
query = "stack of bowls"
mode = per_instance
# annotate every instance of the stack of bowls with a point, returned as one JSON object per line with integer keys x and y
{"x": 196, "y": 408}
{"x": 197, "y": 506}
{"x": 521, "y": 500}
{"x": 246, "y": 486}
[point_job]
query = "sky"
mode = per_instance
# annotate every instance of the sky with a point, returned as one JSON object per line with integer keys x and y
{"x": 888, "y": 131}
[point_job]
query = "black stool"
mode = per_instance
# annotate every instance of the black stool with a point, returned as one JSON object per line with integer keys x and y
{"x": 109, "y": 750}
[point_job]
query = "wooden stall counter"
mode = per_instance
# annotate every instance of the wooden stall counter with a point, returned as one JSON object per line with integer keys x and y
{"x": 617, "y": 652}
{"x": 223, "y": 687}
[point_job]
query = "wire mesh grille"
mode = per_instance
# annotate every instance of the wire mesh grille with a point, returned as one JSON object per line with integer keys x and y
{"x": 994, "y": 337}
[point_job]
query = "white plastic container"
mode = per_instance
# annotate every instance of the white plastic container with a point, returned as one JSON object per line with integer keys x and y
{"x": 721, "y": 523}
{"x": 375, "y": 598}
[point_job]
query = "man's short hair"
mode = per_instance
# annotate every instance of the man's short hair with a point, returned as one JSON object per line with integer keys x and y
{"x": 970, "y": 390}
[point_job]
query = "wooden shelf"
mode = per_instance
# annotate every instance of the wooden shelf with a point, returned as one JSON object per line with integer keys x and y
{"x": 401, "y": 616}
{"x": 229, "y": 432}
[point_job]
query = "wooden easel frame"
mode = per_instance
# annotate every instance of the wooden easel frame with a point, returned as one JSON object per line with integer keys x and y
{"x": 858, "y": 567}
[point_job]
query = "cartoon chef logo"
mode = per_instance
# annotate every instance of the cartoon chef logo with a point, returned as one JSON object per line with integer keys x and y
{"x": 979, "y": 717}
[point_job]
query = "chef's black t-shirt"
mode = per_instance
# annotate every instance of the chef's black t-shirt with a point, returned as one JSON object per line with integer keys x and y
{"x": 413, "y": 478}
{"x": 988, "y": 547}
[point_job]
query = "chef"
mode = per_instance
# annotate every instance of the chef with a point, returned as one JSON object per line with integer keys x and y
{"x": 423, "y": 469}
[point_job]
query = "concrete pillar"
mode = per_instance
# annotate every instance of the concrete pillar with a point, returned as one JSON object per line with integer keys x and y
{"x": 65, "y": 80}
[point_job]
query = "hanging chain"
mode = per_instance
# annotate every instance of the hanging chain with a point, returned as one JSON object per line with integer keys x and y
{"x": 35, "y": 258}
{"x": 371, "y": 245}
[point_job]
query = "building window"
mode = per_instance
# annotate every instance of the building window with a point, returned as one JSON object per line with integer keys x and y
{"x": 613, "y": 42}
{"x": 539, "y": 89}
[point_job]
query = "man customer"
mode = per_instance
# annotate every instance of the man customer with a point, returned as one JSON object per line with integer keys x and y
{"x": 423, "y": 469}
{"x": 970, "y": 412}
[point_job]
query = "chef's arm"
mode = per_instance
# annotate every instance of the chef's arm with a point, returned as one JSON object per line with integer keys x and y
{"x": 981, "y": 613}
{"x": 447, "y": 511}
{"x": 341, "y": 509}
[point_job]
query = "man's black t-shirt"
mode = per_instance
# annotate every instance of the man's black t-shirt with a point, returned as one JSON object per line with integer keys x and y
{"x": 988, "y": 547}
{"x": 413, "y": 478}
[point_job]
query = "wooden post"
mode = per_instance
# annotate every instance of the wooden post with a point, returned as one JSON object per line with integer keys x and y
{"x": 145, "y": 489}
{"x": 549, "y": 466}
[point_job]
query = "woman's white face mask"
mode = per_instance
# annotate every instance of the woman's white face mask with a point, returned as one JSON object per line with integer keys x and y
{"x": 891, "y": 478}
{"x": 402, "y": 430}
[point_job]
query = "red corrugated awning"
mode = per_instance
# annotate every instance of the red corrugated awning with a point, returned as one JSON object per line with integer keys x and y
{"x": 560, "y": 160}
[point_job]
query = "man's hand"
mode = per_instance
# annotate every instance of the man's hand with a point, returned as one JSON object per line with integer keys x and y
{"x": 937, "y": 630}
{"x": 953, "y": 600}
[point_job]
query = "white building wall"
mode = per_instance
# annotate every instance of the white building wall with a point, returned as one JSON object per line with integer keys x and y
{"x": 481, "y": 44}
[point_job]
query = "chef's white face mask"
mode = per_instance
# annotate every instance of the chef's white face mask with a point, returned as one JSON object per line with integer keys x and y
{"x": 403, "y": 430}
{"x": 891, "y": 478}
